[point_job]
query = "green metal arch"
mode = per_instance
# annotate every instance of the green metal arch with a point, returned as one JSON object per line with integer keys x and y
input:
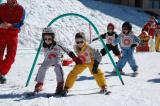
{"x": 97, "y": 32}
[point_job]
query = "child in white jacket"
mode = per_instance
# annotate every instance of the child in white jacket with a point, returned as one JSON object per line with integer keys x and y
{"x": 127, "y": 41}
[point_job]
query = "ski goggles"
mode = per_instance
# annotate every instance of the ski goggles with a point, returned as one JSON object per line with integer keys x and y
{"x": 79, "y": 42}
{"x": 47, "y": 39}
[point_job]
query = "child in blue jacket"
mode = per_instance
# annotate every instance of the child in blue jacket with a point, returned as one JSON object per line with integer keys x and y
{"x": 128, "y": 41}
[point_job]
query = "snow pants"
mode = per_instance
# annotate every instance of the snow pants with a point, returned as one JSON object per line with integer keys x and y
{"x": 43, "y": 68}
{"x": 112, "y": 48}
{"x": 99, "y": 77}
{"x": 127, "y": 56}
{"x": 8, "y": 41}
{"x": 157, "y": 43}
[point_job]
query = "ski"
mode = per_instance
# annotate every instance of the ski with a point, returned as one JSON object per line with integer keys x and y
{"x": 53, "y": 95}
{"x": 123, "y": 74}
{"x": 107, "y": 93}
{"x": 30, "y": 94}
{"x": 104, "y": 93}
{"x": 134, "y": 74}
{"x": 33, "y": 94}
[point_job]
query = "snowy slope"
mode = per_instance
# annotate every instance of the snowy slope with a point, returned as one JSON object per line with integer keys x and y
{"x": 40, "y": 12}
{"x": 140, "y": 91}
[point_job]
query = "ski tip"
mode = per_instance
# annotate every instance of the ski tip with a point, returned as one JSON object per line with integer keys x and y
{"x": 107, "y": 93}
{"x": 30, "y": 94}
{"x": 54, "y": 95}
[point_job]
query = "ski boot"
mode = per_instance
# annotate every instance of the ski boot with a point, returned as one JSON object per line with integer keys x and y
{"x": 59, "y": 89}
{"x": 103, "y": 90}
{"x": 135, "y": 74}
{"x": 65, "y": 92}
{"x": 3, "y": 80}
{"x": 38, "y": 87}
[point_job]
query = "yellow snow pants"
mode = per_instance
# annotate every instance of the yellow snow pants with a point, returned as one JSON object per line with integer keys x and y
{"x": 157, "y": 43}
{"x": 99, "y": 77}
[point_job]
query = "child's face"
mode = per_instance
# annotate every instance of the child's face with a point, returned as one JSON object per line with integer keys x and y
{"x": 125, "y": 30}
{"x": 80, "y": 42}
{"x": 11, "y": 1}
{"x": 48, "y": 39}
{"x": 110, "y": 29}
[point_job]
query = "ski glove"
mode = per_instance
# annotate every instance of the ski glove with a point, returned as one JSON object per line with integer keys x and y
{"x": 133, "y": 46}
{"x": 95, "y": 67}
{"x": 75, "y": 58}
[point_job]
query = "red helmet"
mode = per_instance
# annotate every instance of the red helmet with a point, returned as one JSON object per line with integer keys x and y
{"x": 110, "y": 25}
{"x": 12, "y": 1}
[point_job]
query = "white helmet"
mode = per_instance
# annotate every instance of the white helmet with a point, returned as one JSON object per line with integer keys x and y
{"x": 48, "y": 30}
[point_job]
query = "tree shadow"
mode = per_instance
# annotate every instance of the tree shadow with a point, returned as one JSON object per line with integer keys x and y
{"x": 109, "y": 74}
{"x": 10, "y": 96}
{"x": 118, "y": 11}
{"x": 22, "y": 96}
{"x": 155, "y": 80}
{"x": 82, "y": 78}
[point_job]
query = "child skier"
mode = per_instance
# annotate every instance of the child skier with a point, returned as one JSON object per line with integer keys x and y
{"x": 158, "y": 38}
{"x": 53, "y": 54}
{"x": 90, "y": 59}
{"x": 128, "y": 41}
{"x": 150, "y": 26}
{"x": 110, "y": 36}
{"x": 151, "y": 44}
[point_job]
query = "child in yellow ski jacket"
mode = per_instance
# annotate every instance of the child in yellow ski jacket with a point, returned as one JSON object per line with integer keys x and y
{"x": 158, "y": 38}
{"x": 90, "y": 58}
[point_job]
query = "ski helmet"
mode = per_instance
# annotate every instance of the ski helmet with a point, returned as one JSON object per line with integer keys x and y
{"x": 127, "y": 25}
{"x": 12, "y": 1}
{"x": 80, "y": 35}
{"x": 152, "y": 18}
{"x": 48, "y": 31}
{"x": 110, "y": 25}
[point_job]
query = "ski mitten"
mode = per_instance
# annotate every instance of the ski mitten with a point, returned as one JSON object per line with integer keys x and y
{"x": 75, "y": 58}
{"x": 133, "y": 46}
